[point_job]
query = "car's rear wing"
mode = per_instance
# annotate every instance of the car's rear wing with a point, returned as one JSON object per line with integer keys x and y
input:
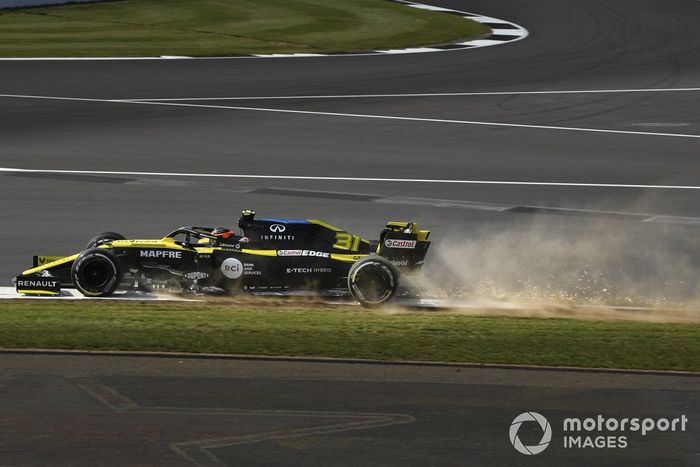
{"x": 404, "y": 244}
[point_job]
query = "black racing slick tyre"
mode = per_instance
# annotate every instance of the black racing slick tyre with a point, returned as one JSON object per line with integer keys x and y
{"x": 104, "y": 237}
{"x": 96, "y": 273}
{"x": 373, "y": 281}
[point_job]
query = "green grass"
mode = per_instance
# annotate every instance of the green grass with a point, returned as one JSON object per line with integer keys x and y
{"x": 346, "y": 332}
{"x": 223, "y": 27}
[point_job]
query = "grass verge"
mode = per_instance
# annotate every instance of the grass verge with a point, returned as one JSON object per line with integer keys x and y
{"x": 223, "y": 27}
{"x": 288, "y": 329}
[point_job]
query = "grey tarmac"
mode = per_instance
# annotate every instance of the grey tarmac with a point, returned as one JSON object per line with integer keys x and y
{"x": 573, "y": 45}
{"x": 116, "y": 410}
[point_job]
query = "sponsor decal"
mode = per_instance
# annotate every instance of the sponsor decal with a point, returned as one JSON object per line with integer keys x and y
{"x": 249, "y": 270}
{"x": 308, "y": 270}
{"x": 196, "y": 275}
{"x": 395, "y": 243}
{"x": 161, "y": 254}
{"x": 232, "y": 268}
{"x": 263, "y": 288}
{"x": 37, "y": 284}
{"x": 42, "y": 260}
{"x": 289, "y": 252}
{"x": 277, "y": 237}
{"x": 595, "y": 432}
{"x": 315, "y": 254}
{"x": 47, "y": 283}
{"x": 277, "y": 228}
{"x": 400, "y": 262}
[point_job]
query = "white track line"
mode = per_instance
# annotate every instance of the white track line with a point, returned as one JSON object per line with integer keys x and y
{"x": 10, "y": 293}
{"x": 58, "y": 98}
{"x": 431, "y": 94}
{"x": 99, "y": 59}
{"x": 366, "y": 116}
{"x": 419, "y": 119}
{"x": 346, "y": 179}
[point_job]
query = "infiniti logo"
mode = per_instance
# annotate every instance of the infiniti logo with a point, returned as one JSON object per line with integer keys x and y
{"x": 278, "y": 228}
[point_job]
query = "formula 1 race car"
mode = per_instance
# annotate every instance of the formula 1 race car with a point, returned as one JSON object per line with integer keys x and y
{"x": 271, "y": 255}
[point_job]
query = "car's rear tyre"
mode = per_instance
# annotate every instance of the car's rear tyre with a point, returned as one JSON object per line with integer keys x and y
{"x": 96, "y": 273}
{"x": 373, "y": 281}
{"x": 104, "y": 237}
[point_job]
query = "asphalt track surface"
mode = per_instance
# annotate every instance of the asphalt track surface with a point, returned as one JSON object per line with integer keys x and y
{"x": 573, "y": 46}
{"x": 651, "y": 138}
{"x": 183, "y": 411}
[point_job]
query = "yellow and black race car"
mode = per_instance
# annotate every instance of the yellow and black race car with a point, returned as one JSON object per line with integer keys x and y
{"x": 271, "y": 255}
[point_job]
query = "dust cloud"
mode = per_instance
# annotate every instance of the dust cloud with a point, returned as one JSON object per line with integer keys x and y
{"x": 564, "y": 263}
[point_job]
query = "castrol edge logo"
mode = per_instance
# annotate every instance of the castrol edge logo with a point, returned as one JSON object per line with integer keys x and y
{"x": 393, "y": 243}
{"x": 317, "y": 254}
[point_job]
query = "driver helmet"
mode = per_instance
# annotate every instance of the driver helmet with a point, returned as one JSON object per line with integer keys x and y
{"x": 222, "y": 232}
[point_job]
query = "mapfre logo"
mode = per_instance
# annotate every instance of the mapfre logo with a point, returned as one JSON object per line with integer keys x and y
{"x": 161, "y": 254}
{"x": 277, "y": 228}
{"x": 546, "y": 433}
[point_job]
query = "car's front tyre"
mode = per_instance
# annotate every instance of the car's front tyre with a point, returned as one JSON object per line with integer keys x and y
{"x": 104, "y": 237}
{"x": 96, "y": 273}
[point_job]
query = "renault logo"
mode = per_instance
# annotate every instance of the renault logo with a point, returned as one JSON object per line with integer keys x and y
{"x": 277, "y": 228}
